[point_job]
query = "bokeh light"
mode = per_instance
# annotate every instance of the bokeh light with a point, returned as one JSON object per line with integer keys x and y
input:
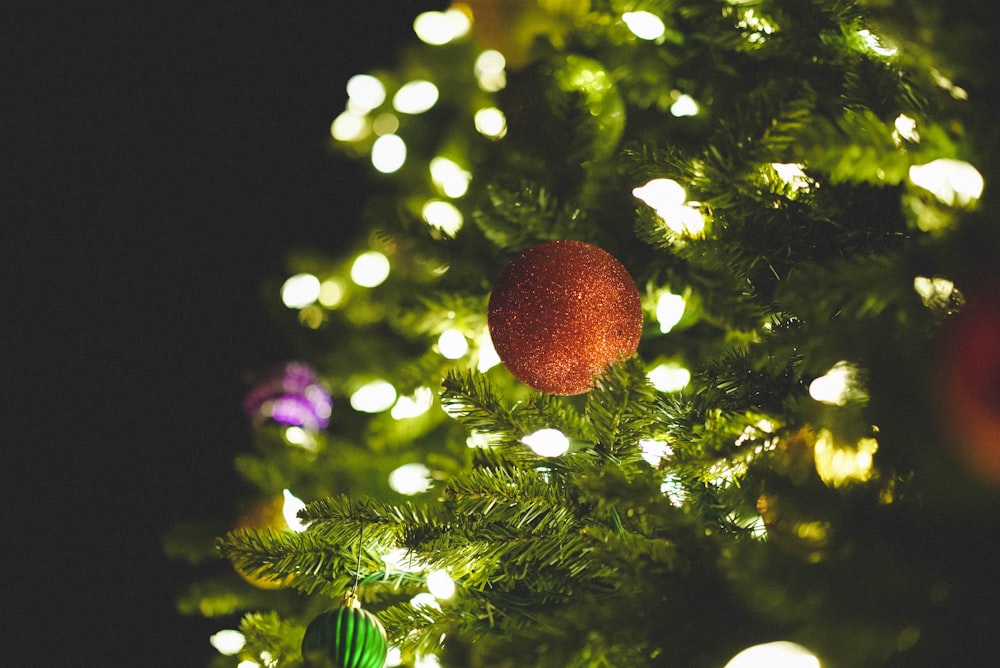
{"x": 669, "y": 377}
{"x": 413, "y": 405}
{"x": 449, "y": 176}
{"x": 410, "y": 479}
{"x": 781, "y": 654}
{"x": 443, "y": 216}
{"x": 669, "y": 310}
{"x": 491, "y": 122}
{"x": 452, "y": 344}
{"x": 547, "y": 442}
{"x": 415, "y": 97}
{"x": 228, "y": 641}
{"x": 644, "y": 25}
{"x": 953, "y": 182}
{"x": 683, "y": 106}
{"x": 388, "y": 153}
{"x": 364, "y": 93}
{"x": 370, "y": 269}
{"x": 349, "y": 126}
{"x": 290, "y": 511}
{"x": 374, "y": 397}
{"x": 440, "y": 584}
{"x": 439, "y": 28}
{"x": 300, "y": 290}
{"x": 490, "y": 70}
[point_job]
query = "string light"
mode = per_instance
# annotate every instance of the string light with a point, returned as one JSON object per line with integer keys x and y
{"x": 228, "y": 641}
{"x": 644, "y": 25}
{"x": 668, "y": 199}
{"x": 290, "y": 511}
{"x": 393, "y": 657}
{"x": 364, "y": 93}
{"x": 488, "y": 357}
{"x": 415, "y": 97}
{"x": 874, "y": 44}
{"x": 793, "y": 175}
{"x": 413, "y": 405}
{"x": 839, "y": 464}
{"x": 905, "y": 128}
{"x": 410, "y": 479}
{"x": 443, "y": 216}
{"x": 425, "y": 600}
{"x": 491, "y": 122}
{"x": 684, "y": 105}
{"x": 490, "y": 71}
{"x": 547, "y": 442}
{"x": 332, "y": 292}
{"x": 349, "y": 126}
{"x": 669, "y": 377}
{"x": 669, "y": 310}
{"x": 452, "y": 344}
{"x": 449, "y": 176}
{"x": 439, "y": 28}
{"x": 953, "y": 182}
{"x": 300, "y": 290}
{"x": 838, "y": 385}
{"x": 388, "y": 153}
{"x": 654, "y": 451}
{"x": 374, "y": 397}
{"x": 781, "y": 654}
{"x": 440, "y": 584}
{"x": 370, "y": 269}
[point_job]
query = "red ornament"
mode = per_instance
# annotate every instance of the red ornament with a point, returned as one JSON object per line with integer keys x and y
{"x": 972, "y": 385}
{"x": 561, "y": 312}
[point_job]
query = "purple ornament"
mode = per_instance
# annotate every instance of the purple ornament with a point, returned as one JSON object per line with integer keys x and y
{"x": 292, "y": 395}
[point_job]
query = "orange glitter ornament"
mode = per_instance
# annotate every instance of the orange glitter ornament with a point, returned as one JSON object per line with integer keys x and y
{"x": 561, "y": 312}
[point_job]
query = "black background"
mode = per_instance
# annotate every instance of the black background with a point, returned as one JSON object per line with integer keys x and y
{"x": 160, "y": 160}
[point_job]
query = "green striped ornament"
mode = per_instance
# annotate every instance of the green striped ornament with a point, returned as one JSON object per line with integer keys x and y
{"x": 345, "y": 637}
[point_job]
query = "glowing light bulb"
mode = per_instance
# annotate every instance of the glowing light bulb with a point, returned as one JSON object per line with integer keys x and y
{"x": 437, "y": 28}
{"x": 685, "y": 105}
{"x": 793, "y": 174}
{"x": 654, "y": 451}
{"x": 547, "y": 442}
{"x": 415, "y": 97}
{"x": 388, "y": 153}
{"x": 644, "y": 25}
{"x": 477, "y": 439}
{"x": 661, "y": 194}
{"x": 331, "y": 293}
{"x": 669, "y": 310}
{"x": 247, "y": 663}
{"x": 300, "y": 290}
{"x": 673, "y": 489}
{"x": 402, "y": 560}
{"x": 295, "y": 435}
{"x": 349, "y": 126}
{"x": 290, "y": 511}
{"x": 837, "y": 385}
{"x": 490, "y": 71}
{"x": 393, "y": 657}
{"x": 364, "y": 93}
{"x": 414, "y": 405}
{"x": 488, "y": 357}
{"x": 839, "y": 464}
{"x": 938, "y": 293}
{"x": 906, "y": 128}
{"x": 684, "y": 220}
{"x": 669, "y": 377}
{"x": 953, "y": 182}
{"x": 491, "y": 122}
{"x": 374, "y": 397}
{"x": 228, "y": 641}
{"x": 440, "y": 584}
{"x": 781, "y": 654}
{"x": 410, "y": 479}
{"x": 425, "y": 600}
{"x": 427, "y": 661}
{"x": 875, "y": 45}
{"x": 452, "y": 344}
{"x": 443, "y": 216}
{"x": 449, "y": 177}
{"x": 370, "y": 269}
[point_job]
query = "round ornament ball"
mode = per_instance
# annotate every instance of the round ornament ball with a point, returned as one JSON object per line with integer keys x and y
{"x": 267, "y": 514}
{"x": 345, "y": 637}
{"x": 971, "y": 383}
{"x": 561, "y": 312}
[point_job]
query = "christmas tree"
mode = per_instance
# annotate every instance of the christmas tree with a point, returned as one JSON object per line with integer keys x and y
{"x": 671, "y": 340}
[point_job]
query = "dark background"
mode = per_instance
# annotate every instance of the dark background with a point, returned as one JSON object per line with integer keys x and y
{"x": 160, "y": 160}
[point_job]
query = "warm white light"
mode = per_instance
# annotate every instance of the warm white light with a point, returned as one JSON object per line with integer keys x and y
{"x": 669, "y": 377}
{"x": 410, "y": 479}
{"x": 793, "y": 174}
{"x": 440, "y": 584}
{"x": 836, "y": 386}
{"x": 374, "y": 397}
{"x": 684, "y": 220}
{"x": 547, "y": 442}
{"x": 402, "y": 560}
{"x": 425, "y": 600}
{"x": 644, "y": 25}
{"x": 443, "y": 216}
{"x": 449, "y": 177}
{"x": 478, "y": 439}
{"x": 953, "y": 182}
{"x": 247, "y": 663}
{"x": 427, "y": 661}
{"x": 331, "y": 292}
{"x": 491, "y": 122}
{"x": 669, "y": 311}
{"x": 937, "y": 292}
{"x": 415, "y": 97}
{"x": 370, "y": 269}
{"x": 393, "y": 657}
{"x": 228, "y": 641}
{"x": 388, "y": 153}
{"x": 349, "y": 126}
{"x": 300, "y": 290}
{"x": 906, "y": 128}
{"x": 452, "y": 344}
{"x": 661, "y": 194}
{"x": 781, "y": 654}
{"x": 413, "y": 405}
{"x": 673, "y": 489}
{"x": 299, "y": 437}
{"x": 838, "y": 464}
{"x": 290, "y": 511}
{"x": 437, "y": 28}
{"x": 490, "y": 71}
{"x": 654, "y": 451}
{"x": 365, "y": 93}
{"x": 685, "y": 105}
{"x": 875, "y": 45}
{"x": 488, "y": 357}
